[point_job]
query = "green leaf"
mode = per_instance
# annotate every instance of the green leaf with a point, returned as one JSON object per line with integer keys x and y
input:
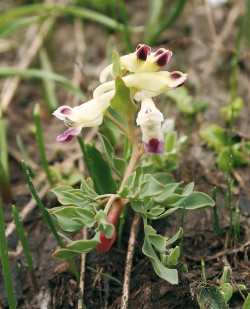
{"x": 87, "y": 186}
{"x": 163, "y": 178}
{"x": 116, "y": 64}
{"x": 158, "y": 241}
{"x": 41, "y": 74}
{"x": 226, "y": 290}
{"x": 236, "y": 107}
{"x": 173, "y": 239}
{"x": 98, "y": 168}
{"x": 108, "y": 228}
{"x": 71, "y": 218}
{"x": 168, "y": 191}
{"x": 170, "y": 275}
{"x": 122, "y": 101}
{"x": 76, "y": 248}
{"x": 173, "y": 257}
{"x": 215, "y": 136}
{"x": 150, "y": 187}
{"x": 194, "y": 201}
{"x": 164, "y": 214}
{"x": 211, "y": 298}
{"x": 247, "y": 302}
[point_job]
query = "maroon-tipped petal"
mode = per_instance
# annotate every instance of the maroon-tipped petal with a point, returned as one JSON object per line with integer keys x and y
{"x": 163, "y": 58}
{"x": 160, "y": 51}
{"x": 142, "y": 52}
{"x": 154, "y": 146}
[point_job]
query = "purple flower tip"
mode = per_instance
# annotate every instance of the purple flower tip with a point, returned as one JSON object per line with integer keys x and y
{"x": 142, "y": 52}
{"x": 154, "y": 146}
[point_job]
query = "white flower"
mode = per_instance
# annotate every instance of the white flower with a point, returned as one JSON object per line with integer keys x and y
{"x": 147, "y": 84}
{"x": 142, "y": 60}
{"x": 89, "y": 114}
{"x": 149, "y": 119}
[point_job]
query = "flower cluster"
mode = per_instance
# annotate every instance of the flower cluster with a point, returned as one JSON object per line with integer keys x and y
{"x": 141, "y": 73}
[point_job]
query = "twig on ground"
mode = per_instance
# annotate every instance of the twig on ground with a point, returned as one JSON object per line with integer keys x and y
{"x": 129, "y": 259}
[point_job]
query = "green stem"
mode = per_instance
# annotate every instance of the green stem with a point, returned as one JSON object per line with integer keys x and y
{"x": 217, "y": 225}
{"x": 40, "y": 143}
{"x": 230, "y": 204}
{"x": 47, "y": 217}
{"x": 182, "y": 238}
{"x": 235, "y": 60}
{"x": 166, "y": 22}
{"x": 203, "y": 272}
{"x": 25, "y": 155}
{"x": 26, "y": 251}
{"x": 6, "y": 264}
{"x": 117, "y": 123}
{"x": 237, "y": 221}
{"x": 4, "y": 163}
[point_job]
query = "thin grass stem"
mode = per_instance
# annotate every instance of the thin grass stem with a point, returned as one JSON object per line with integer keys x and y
{"x": 6, "y": 264}
{"x": 26, "y": 250}
{"x": 4, "y": 163}
{"x": 106, "y": 275}
{"x": 25, "y": 155}
{"x": 217, "y": 225}
{"x": 203, "y": 272}
{"x": 47, "y": 217}
{"x": 48, "y": 85}
{"x": 237, "y": 221}
{"x": 166, "y": 23}
{"x": 235, "y": 60}
{"x": 182, "y": 238}
{"x": 41, "y": 148}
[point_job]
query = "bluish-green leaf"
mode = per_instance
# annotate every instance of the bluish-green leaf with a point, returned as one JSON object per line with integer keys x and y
{"x": 170, "y": 275}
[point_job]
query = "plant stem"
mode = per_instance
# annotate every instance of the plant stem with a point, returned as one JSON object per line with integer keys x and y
{"x": 217, "y": 225}
{"x": 203, "y": 273}
{"x": 40, "y": 143}
{"x": 117, "y": 123}
{"x": 5, "y": 187}
{"x": 26, "y": 251}
{"x": 47, "y": 217}
{"x": 182, "y": 238}
{"x": 6, "y": 264}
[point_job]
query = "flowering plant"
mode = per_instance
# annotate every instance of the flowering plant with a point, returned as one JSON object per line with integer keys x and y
{"x": 100, "y": 200}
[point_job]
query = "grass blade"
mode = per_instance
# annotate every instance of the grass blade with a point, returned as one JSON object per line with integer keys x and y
{"x": 4, "y": 163}
{"x": 76, "y": 11}
{"x": 41, "y": 148}
{"x": 15, "y": 25}
{"x": 47, "y": 218}
{"x": 23, "y": 240}
{"x": 48, "y": 85}
{"x": 166, "y": 23}
{"x": 217, "y": 225}
{"x": 25, "y": 155}
{"x": 41, "y": 74}
{"x": 6, "y": 264}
